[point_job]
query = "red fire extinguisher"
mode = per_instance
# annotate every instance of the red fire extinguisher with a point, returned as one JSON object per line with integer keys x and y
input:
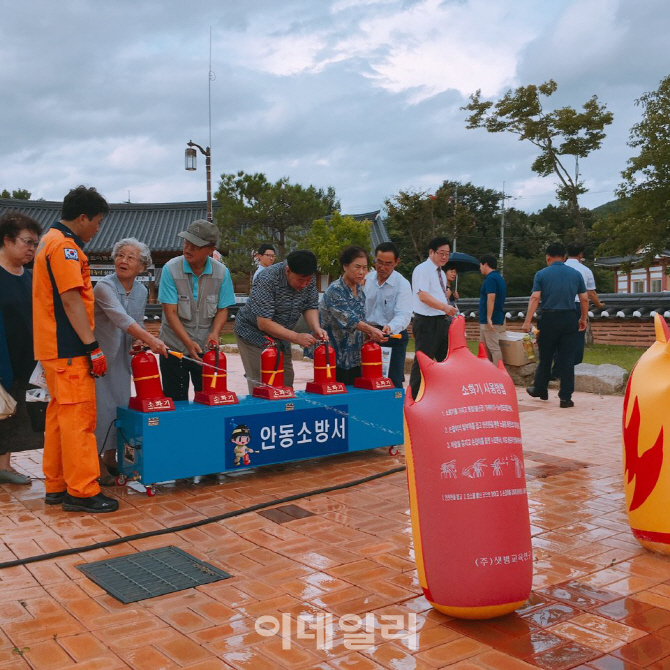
{"x": 150, "y": 396}
{"x": 272, "y": 374}
{"x": 214, "y": 380}
{"x": 272, "y": 365}
{"x": 371, "y": 368}
{"x": 324, "y": 363}
{"x": 371, "y": 360}
{"x": 214, "y": 370}
{"x": 324, "y": 372}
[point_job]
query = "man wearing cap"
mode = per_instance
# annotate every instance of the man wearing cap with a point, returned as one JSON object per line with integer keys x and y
{"x": 195, "y": 292}
{"x": 281, "y": 294}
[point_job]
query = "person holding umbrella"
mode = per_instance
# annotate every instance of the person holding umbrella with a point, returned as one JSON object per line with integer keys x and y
{"x": 452, "y": 294}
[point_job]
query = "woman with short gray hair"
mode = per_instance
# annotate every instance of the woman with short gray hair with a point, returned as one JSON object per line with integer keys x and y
{"x": 120, "y": 301}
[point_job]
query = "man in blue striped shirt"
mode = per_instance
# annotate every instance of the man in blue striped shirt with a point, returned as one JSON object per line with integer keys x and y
{"x": 279, "y": 296}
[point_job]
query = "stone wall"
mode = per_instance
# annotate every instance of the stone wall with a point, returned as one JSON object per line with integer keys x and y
{"x": 629, "y": 332}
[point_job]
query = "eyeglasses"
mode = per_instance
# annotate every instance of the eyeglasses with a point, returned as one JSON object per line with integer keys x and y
{"x": 443, "y": 254}
{"x": 127, "y": 257}
{"x": 29, "y": 242}
{"x": 191, "y": 246}
{"x": 385, "y": 264}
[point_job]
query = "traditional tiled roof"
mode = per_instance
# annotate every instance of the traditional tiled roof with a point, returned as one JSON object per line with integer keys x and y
{"x": 155, "y": 224}
{"x": 617, "y": 306}
{"x": 633, "y": 259}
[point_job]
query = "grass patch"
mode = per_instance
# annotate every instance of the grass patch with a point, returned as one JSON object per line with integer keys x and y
{"x": 614, "y": 354}
{"x": 596, "y": 354}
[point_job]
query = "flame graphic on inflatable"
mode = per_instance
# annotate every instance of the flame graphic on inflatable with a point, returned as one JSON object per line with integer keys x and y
{"x": 645, "y": 468}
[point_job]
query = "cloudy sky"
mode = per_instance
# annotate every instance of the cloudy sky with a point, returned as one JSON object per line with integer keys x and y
{"x": 362, "y": 95}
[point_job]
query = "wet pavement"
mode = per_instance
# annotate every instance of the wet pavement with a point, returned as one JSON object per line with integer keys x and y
{"x": 599, "y": 600}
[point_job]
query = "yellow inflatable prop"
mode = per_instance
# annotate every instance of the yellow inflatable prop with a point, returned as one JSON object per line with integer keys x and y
{"x": 646, "y": 444}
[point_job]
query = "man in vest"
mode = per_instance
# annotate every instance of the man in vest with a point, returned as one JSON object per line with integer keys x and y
{"x": 195, "y": 292}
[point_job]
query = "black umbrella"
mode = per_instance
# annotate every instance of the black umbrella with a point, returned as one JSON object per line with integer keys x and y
{"x": 462, "y": 262}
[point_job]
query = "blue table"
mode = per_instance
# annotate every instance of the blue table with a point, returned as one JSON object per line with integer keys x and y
{"x": 195, "y": 439}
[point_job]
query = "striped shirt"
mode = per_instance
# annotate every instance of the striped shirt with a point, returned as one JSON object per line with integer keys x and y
{"x": 272, "y": 298}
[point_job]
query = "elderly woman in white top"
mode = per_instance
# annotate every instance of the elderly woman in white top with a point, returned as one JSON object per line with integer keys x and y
{"x": 119, "y": 312}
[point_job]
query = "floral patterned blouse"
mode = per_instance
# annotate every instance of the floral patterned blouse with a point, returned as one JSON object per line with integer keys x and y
{"x": 340, "y": 312}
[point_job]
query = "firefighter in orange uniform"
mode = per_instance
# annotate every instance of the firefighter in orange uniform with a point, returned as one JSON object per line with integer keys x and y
{"x": 66, "y": 346}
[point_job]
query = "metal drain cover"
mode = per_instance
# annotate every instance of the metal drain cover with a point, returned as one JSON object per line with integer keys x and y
{"x": 152, "y": 573}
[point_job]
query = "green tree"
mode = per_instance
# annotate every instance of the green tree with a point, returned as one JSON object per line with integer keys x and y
{"x": 328, "y": 237}
{"x": 644, "y": 223}
{"x": 465, "y": 212}
{"x": 557, "y": 134}
{"x": 255, "y": 210}
{"x": 17, "y": 194}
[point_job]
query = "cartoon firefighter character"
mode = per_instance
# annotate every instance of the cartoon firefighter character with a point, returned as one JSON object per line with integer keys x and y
{"x": 240, "y": 437}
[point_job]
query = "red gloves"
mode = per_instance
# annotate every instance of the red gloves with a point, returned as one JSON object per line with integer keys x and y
{"x": 96, "y": 359}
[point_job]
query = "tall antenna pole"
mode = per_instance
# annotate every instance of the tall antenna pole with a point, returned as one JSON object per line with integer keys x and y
{"x": 211, "y": 76}
{"x": 502, "y": 233}
{"x": 455, "y": 212}
{"x": 190, "y": 155}
{"x": 208, "y": 160}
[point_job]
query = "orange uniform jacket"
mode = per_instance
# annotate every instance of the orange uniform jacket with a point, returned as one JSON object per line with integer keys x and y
{"x": 60, "y": 265}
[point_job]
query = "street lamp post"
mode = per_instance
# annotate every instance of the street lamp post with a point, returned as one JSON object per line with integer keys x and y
{"x": 190, "y": 159}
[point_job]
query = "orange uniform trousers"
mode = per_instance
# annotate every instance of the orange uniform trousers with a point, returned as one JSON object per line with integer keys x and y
{"x": 70, "y": 460}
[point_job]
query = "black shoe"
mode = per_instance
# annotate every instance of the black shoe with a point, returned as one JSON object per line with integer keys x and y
{"x": 54, "y": 498}
{"x": 567, "y": 403}
{"x": 542, "y": 395}
{"x": 97, "y": 504}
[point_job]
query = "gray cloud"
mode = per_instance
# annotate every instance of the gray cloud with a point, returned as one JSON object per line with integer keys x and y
{"x": 364, "y": 96}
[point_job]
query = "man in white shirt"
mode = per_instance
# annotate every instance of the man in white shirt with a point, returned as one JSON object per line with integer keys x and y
{"x": 576, "y": 261}
{"x": 388, "y": 306}
{"x": 265, "y": 257}
{"x": 429, "y": 291}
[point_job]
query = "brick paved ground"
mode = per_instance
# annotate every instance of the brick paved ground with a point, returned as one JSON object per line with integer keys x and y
{"x": 600, "y": 601}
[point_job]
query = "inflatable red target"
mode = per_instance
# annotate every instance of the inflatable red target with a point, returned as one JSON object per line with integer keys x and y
{"x": 468, "y": 501}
